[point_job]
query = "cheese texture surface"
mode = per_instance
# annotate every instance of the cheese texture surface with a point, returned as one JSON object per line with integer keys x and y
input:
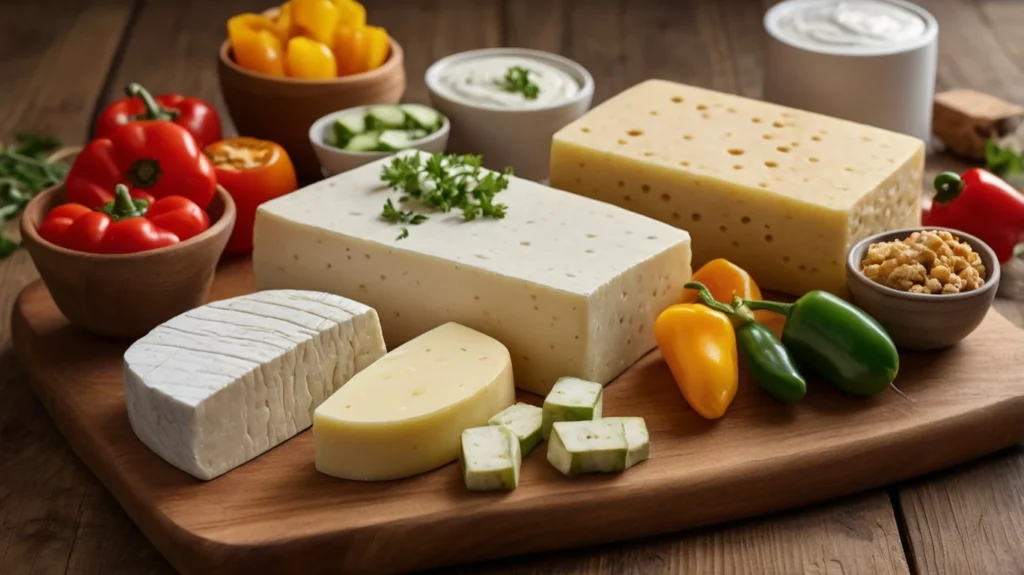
{"x": 405, "y": 414}
{"x": 220, "y": 384}
{"x": 571, "y": 285}
{"x": 780, "y": 192}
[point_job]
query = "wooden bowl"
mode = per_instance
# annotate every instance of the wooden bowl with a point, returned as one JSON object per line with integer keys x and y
{"x": 126, "y": 295}
{"x": 917, "y": 321}
{"x": 282, "y": 109}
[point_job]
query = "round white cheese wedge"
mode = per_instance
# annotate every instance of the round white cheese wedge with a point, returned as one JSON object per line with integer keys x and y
{"x": 223, "y": 383}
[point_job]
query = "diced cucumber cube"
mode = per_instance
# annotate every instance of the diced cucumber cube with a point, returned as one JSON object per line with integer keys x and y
{"x": 423, "y": 116}
{"x": 366, "y": 142}
{"x": 395, "y": 139}
{"x": 578, "y": 447}
{"x": 490, "y": 458}
{"x": 348, "y": 126}
{"x": 637, "y": 438}
{"x": 525, "y": 422}
{"x": 385, "y": 118}
{"x": 572, "y": 399}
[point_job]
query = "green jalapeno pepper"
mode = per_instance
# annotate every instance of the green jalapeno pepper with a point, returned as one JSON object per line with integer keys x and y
{"x": 764, "y": 356}
{"x": 838, "y": 341}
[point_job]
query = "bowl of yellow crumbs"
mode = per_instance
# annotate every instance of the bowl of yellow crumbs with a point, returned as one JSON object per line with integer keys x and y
{"x": 928, "y": 287}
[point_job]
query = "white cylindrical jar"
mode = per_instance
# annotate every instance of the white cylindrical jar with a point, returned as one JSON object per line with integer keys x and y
{"x": 868, "y": 61}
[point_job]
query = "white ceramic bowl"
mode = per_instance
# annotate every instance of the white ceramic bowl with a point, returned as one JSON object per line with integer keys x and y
{"x": 334, "y": 161}
{"x": 516, "y": 137}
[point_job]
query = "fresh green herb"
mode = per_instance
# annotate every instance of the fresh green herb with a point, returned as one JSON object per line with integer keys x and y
{"x": 443, "y": 183}
{"x": 517, "y": 79}
{"x": 404, "y": 234}
{"x": 25, "y": 170}
{"x": 1003, "y": 161}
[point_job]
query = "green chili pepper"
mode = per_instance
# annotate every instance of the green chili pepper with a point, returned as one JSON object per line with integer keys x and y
{"x": 769, "y": 362}
{"x": 764, "y": 356}
{"x": 838, "y": 341}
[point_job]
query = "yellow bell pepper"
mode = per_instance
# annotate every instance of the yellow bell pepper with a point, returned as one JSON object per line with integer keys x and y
{"x": 360, "y": 49}
{"x": 310, "y": 59}
{"x": 315, "y": 19}
{"x": 283, "y": 23}
{"x": 725, "y": 279}
{"x": 699, "y": 346}
{"x": 351, "y": 14}
{"x": 255, "y": 44}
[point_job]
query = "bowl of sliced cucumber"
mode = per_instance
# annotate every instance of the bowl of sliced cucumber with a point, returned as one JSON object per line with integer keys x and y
{"x": 350, "y": 138}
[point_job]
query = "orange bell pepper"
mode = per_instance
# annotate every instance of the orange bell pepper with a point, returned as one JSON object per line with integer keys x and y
{"x": 699, "y": 346}
{"x": 255, "y": 44}
{"x": 310, "y": 59}
{"x": 351, "y": 14}
{"x": 360, "y": 49}
{"x": 253, "y": 171}
{"x": 725, "y": 279}
{"x": 315, "y": 19}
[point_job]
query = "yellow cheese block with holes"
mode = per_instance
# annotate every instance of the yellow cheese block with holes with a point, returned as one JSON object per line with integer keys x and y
{"x": 781, "y": 192}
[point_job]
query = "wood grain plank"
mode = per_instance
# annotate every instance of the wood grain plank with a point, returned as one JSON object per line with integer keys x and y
{"x": 857, "y": 535}
{"x": 55, "y": 57}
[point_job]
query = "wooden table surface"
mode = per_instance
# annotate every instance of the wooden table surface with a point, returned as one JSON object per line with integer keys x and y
{"x": 61, "y": 60}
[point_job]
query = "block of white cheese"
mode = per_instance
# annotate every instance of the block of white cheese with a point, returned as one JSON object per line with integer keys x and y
{"x": 571, "y": 285}
{"x": 223, "y": 383}
{"x": 405, "y": 414}
{"x": 782, "y": 193}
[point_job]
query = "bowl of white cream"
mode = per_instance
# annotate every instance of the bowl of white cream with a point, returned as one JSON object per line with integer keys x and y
{"x": 506, "y": 103}
{"x": 867, "y": 61}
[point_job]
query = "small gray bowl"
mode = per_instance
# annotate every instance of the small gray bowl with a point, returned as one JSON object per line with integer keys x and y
{"x": 923, "y": 321}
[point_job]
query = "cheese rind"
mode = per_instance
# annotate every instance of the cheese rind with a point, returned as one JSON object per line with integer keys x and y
{"x": 223, "y": 383}
{"x": 405, "y": 414}
{"x": 780, "y": 192}
{"x": 572, "y": 286}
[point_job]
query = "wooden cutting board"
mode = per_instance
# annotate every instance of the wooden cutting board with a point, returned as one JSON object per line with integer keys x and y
{"x": 277, "y": 514}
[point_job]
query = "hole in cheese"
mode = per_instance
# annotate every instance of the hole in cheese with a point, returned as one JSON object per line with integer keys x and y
{"x": 736, "y": 151}
{"x": 771, "y": 164}
{"x": 687, "y": 137}
{"x": 778, "y": 124}
{"x": 677, "y": 100}
{"x": 783, "y": 149}
{"x": 737, "y": 167}
{"x": 585, "y": 130}
{"x": 701, "y": 107}
{"x": 635, "y": 133}
{"x": 813, "y": 160}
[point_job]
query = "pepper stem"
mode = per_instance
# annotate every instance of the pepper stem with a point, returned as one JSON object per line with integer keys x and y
{"x": 154, "y": 111}
{"x": 738, "y": 314}
{"x": 124, "y": 206}
{"x": 948, "y": 186}
{"x": 775, "y": 306}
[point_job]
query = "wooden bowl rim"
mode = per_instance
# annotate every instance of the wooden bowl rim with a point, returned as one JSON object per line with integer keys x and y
{"x": 395, "y": 57}
{"x": 35, "y": 206}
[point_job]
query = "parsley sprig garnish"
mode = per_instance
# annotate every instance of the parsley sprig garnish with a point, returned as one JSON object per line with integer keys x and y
{"x": 443, "y": 183}
{"x": 25, "y": 170}
{"x": 517, "y": 79}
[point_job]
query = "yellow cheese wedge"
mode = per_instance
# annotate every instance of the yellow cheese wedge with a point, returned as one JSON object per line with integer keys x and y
{"x": 405, "y": 413}
{"x": 781, "y": 192}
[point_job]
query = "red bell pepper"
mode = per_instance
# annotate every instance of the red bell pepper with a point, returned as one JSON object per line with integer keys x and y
{"x": 161, "y": 158}
{"x": 195, "y": 115}
{"x": 124, "y": 225}
{"x": 979, "y": 203}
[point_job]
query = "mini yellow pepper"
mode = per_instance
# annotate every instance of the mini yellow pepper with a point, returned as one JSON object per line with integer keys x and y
{"x": 699, "y": 346}
{"x": 315, "y": 19}
{"x": 351, "y": 14}
{"x": 283, "y": 22}
{"x": 255, "y": 44}
{"x": 360, "y": 49}
{"x": 310, "y": 59}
